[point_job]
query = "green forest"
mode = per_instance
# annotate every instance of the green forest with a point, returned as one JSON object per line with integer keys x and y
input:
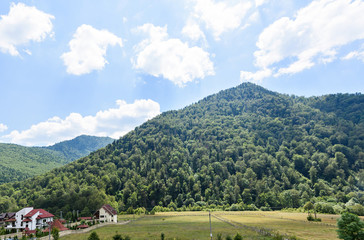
{"x": 242, "y": 148}
{"x": 19, "y": 162}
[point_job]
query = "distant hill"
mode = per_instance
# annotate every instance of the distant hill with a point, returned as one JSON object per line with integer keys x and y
{"x": 80, "y": 146}
{"x": 19, "y": 162}
{"x": 243, "y": 147}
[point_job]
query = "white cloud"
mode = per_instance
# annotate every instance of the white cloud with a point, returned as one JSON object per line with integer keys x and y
{"x": 311, "y": 37}
{"x": 192, "y": 30}
{"x": 113, "y": 122}
{"x": 22, "y": 25}
{"x": 220, "y": 17}
{"x": 3, "y": 127}
{"x": 88, "y": 49}
{"x": 170, "y": 58}
{"x": 260, "y": 2}
{"x": 355, "y": 54}
{"x": 255, "y": 77}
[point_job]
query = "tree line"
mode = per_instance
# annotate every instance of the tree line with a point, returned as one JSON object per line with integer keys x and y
{"x": 243, "y": 147}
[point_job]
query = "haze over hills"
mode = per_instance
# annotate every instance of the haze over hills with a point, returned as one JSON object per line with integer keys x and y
{"x": 245, "y": 145}
{"x": 19, "y": 162}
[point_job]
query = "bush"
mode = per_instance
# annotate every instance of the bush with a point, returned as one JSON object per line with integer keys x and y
{"x": 356, "y": 209}
{"x": 93, "y": 236}
{"x": 117, "y": 237}
{"x": 228, "y": 237}
{"x": 310, "y": 217}
{"x": 265, "y": 209}
{"x": 238, "y": 237}
{"x": 350, "y": 227}
{"x": 323, "y": 207}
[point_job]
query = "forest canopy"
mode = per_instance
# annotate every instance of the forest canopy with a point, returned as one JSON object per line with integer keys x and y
{"x": 245, "y": 146}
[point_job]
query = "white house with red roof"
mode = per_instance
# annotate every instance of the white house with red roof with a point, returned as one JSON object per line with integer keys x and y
{"x": 30, "y": 219}
{"x": 106, "y": 214}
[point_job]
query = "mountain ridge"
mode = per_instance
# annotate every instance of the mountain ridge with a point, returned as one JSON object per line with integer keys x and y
{"x": 19, "y": 162}
{"x": 244, "y": 145}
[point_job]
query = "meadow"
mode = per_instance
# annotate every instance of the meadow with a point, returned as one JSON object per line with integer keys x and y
{"x": 195, "y": 225}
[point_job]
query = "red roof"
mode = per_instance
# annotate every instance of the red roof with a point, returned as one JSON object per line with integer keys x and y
{"x": 28, "y": 232}
{"x": 42, "y": 213}
{"x": 11, "y": 220}
{"x": 57, "y": 224}
{"x": 83, "y": 226}
{"x": 109, "y": 209}
{"x": 27, "y": 220}
{"x": 85, "y": 218}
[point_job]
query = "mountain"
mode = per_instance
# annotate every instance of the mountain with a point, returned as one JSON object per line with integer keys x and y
{"x": 80, "y": 146}
{"x": 242, "y": 146}
{"x": 19, "y": 162}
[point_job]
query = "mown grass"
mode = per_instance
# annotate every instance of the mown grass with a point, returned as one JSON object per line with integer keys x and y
{"x": 287, "y": 223}
{"x": 175, "y": 226}
{"x": 195, "y": 225}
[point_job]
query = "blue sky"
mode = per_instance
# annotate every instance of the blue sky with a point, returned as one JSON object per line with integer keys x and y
{"x": 104, "y": 67}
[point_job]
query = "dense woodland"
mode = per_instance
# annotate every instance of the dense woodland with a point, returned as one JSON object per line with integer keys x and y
{"x": 243, "y": 148}
{"x": 19, "y": 162}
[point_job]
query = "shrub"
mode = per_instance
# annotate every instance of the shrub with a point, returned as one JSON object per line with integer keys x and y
{"x": 238, "y": 237}
{"x": 350, "y": 227}
{"x": 356, "y": 209}
{"x": 228, "y": 237}
{"x": 310, "y": 217}
{"x": 93, "y": 236}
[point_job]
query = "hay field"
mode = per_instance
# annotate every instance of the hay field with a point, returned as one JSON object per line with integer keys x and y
{"x": 195, "y": 225}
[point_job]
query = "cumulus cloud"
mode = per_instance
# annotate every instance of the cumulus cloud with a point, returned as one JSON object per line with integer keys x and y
{"x": 192, "y": 30}
{"x": 170, "y": 58}
{"x": 219, "y": 17}
{"x": 22, "y": 25}
{"x": 255, "y": 77}
{"x": 88, "y": 50}
{"x": 3, "y": 127}
{"x": 311, "y": 37}
{"x": 113, "y": 122}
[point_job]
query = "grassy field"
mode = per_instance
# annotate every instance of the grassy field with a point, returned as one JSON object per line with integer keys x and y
{"x": 287, "y": 223}
{"x": 195, "y": 225}
{"x": 181, "y": 226}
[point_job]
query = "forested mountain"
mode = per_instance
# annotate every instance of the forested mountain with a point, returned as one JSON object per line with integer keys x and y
{"x": 80, "y": 146}
{"x": 19, "y": 162}
{"x": 245, "y": 145}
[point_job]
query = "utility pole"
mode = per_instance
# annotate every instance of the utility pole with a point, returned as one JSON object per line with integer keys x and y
{"x": 49, "y": 226}
{"x": 210, "y": 225}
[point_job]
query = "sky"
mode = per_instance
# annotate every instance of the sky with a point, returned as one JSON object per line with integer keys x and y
{"x": 102, "y": 68}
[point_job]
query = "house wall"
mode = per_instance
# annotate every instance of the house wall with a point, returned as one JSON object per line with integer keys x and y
{"x": 106, "y": 217}
{"x": 19, "y": 216}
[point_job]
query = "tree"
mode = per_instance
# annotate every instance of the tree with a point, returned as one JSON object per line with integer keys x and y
{"x": 93, "y": 236}
{"x": 117, "y": 237}
{"x": 350, "y": 227}
{"x": 55, "y": 233}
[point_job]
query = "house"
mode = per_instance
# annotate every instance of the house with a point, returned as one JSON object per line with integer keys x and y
{"x": 4, "y": 217}
{"x": 106, "y": 214}
{"x": 29, "y": 218}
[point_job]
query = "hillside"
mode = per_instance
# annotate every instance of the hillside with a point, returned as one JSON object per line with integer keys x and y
{"x": 245, "y": 145}
{"x": 19, "y": 162}
{"x": 80, "y": 146}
